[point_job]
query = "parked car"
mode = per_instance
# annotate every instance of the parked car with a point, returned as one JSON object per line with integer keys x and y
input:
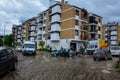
{"x": 8, "y": 60}
{"x": 115, "y": 50}
{"x": 18, "y": 48}
{"x": 63, "y": 52}
{"x": 102, "y": 54}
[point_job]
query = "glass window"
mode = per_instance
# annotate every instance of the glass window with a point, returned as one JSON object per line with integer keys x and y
{"x": 76, "y": 22}
{"x": 76, "y": 32}
{"x": 99, "y": 36}
{"x": 3, "y": 53}
{"x": 77, "y": 12}
{"x": 99, "y": 28}
{"x": 29, "y": 46}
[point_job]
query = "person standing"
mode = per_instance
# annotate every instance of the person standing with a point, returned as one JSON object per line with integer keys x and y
{"x": 81, "y": 51}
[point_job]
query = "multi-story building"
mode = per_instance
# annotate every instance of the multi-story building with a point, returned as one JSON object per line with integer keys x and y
{"x": 17, "y": 31}
{"x": 30, "y": 32}
{"x": 63, "y": 25}
{"x": 111, "y": 33}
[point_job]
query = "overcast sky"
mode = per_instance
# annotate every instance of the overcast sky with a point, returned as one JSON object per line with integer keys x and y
{"x": 17, "y": 11}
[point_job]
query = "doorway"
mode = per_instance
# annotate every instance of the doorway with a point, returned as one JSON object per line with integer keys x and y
{"x": 73, "y": 45}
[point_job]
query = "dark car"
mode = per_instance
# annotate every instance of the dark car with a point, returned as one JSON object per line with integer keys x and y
{"x": 102, "y": 54}
{"x": 8, "y": 60}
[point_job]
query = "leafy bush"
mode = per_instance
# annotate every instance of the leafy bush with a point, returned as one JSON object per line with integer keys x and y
{"x": 44, "y": 47}
{"x": 41, "y": 44}
{"x": 118, "y": 66}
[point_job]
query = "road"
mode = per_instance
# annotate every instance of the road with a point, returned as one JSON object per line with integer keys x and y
{"x": 45, "y": 67}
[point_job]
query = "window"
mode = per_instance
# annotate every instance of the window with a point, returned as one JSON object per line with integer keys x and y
{"x": 3, "y": 54}
{"x": 76, "y": 32}
{"x": 99, "y": 20}
{"x": 99, "y": 28}
{"x": 76, "y": 22}
{"x": 77, "y": 12}
{"x": 99, "y": 36}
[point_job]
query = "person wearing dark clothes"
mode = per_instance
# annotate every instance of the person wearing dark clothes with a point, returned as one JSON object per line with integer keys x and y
{"x": 81, "y": 51}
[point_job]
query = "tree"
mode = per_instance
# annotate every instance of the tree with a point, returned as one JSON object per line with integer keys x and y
{"x": 41, "y": 43}
{"x": 9, "y": 40}
{"x": 1, "y": 42}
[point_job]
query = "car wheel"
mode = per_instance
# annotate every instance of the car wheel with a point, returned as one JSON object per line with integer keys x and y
{"x": 34, "y": 53}
{"x": 94, "y": 59}
{"x": 70, "y": 55}
{"x": 106, "y": 58}
{"x": 110, "y": 58}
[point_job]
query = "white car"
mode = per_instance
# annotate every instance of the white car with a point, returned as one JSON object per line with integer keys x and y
{"x": 18, "y": 48}
{"x": 115, "y": 50}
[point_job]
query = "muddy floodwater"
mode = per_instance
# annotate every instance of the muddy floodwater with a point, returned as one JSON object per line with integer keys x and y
{"x": 45, "y": 67}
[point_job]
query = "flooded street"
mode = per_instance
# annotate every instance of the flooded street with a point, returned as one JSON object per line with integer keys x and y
{"x": 45, "y": 67}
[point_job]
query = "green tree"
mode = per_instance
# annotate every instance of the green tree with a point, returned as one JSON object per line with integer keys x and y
{"x": 41, "y": 43}
{"x": 1, "y": 42}
{"x": 9, "y": 40}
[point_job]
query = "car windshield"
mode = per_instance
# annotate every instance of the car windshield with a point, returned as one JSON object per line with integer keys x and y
{"x": 98, "y": 51}
{"x": 29, "y": 46}
{"x": 115, "y": 48}
{"x": 91, "y": 46}
{"x": 19, "y": 46}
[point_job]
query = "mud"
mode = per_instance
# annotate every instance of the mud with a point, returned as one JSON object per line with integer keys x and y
{"x": 45, "y": 67}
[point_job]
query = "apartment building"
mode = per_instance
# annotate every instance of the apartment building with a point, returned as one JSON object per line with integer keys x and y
{"x": 30, "y": 26}
{"x": 111, "y": 33}
{"x": 65, "y": 25}
{"x": 17, "y": 31}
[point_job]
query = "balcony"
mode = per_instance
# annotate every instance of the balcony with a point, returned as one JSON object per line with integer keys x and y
{"x": 56, "y": 10}
{"x": 55, "y": 37}
{"x": 84, "y": 20}
{"x": 113, "y": 33}
{"x": 99, "y": 32}
{"x": 19, "y": 37}
{"x": 92, "y": 32}
{"x": 76, "y": 37}
{"x": 113, "y": 38}
{"x": 41, "y": 32}
{"x": 99, "y": 24}
{"x": 113, "y": 28}
{"x": 32, "y": 29}
{"x": 76, "y": 27}
{"x": 32, "y": 34}
{"x": 76, "y": 17}
{"x": 55, "y": 18}
{"x": 44, "y": 18}
{"x": 44, "y": 24}
{"x": 55, "y": 27}
{"x": 33, "y": 23}
{"x": 40, "y": 25}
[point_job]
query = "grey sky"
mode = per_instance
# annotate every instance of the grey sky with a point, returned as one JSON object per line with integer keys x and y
{"x": 16, "y": 11}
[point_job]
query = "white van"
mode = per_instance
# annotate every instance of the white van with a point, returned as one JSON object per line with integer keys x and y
{"x": 115, "y": 50}
{"x": 29, "y": 47}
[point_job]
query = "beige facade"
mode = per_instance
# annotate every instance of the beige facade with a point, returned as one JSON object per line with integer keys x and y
{"x": 64, "y": 24}
{"x": 30, "y": 32}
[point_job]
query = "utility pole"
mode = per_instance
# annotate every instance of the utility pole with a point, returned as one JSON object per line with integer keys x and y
{"x": 4, "y": 33}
